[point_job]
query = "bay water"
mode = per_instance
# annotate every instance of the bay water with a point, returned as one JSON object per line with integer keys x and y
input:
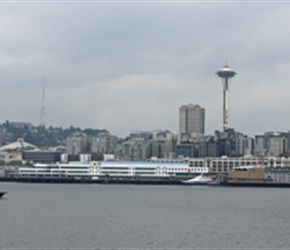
{"x": 108, "y": 216}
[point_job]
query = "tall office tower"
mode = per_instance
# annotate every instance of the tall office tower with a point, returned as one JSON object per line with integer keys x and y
{"x": 191, "y": 119}
{"x": 226, "y": 74}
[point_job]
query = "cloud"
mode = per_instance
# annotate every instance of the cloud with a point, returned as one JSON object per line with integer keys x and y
{"x": 130, "y": 66}
{"x": 120, "y": 104}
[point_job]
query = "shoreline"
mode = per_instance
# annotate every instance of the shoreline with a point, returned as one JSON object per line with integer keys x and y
{"x": 139, "y": 181}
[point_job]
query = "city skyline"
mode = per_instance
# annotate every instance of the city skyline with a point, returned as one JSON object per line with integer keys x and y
{"x": 125, "y": 66}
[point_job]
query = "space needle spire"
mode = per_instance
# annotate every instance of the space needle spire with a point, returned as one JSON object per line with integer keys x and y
{"x": 226, "y": 73}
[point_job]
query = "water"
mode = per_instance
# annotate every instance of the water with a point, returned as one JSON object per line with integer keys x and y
{"x": 92, "y": 216}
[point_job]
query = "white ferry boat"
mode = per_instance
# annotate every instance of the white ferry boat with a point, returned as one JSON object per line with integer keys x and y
{"x": 200, "y": 180}
{"x": 95, "y": 169}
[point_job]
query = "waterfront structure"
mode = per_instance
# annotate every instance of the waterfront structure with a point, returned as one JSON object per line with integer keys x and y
{"x": 93, "y": 170}
{"x": 145, "y": 135}
{"x": 191, "y": 119}
{"x": 11, "y": 157}
{"x": 225, "y": 164}
{"x": 41, "y": 156}
{"x": 161, "y": 145}
{"x": 131, "y": 149}
{"x": 233, "y": 144}
{"x": 198, "y": 147}
{"x": 103, "y": 143}
{"x": 142, "y": 146}
{"x": 271, "y": 144}
{"x": 77, "y": 143}
{"x": 159, "y": 148}
{"x": 232, "y": 171}
{"x": 205, "y": 146}
{"x": 159, "y": 168}
{"x": 20, "y": 144}
{"x": 224, "y": 143}
{"x": 13, "y": 152}
{"x": 226, "y": 74}
{"x": 278, "y": 175}
{"x": 184, "y": 150}
{"x": 257, "y": 176}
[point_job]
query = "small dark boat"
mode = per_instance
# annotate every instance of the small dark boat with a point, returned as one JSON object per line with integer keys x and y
{"x": 2, "y": 194}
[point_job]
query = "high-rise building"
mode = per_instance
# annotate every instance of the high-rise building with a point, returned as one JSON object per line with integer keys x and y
{"x": 191, "y": 119}
{"x": 76, "y": 143}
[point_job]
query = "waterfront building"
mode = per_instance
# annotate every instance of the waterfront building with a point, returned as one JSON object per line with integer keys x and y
{"x": 145, "y": 135}
{"x": 159, "y": 148}
{"x": 225, "y": 164}
{"x": 205, "y": 146}
{"x": 20, "y": 144}
{"x": 271, "y": 144}
{"x": 77, "y": 143}
{"x": 278, "y": 175}
{"x": 184, "y": 150}
{"x": 191, "y": 119}
{"x": 197, "y": 147}
{"x": 131, "y": 149}
{"x": 103, "y": 143}
{"x": 143, "y": 146}
{"x": 228, "y": 143}
{"x": 13, "y": 152}
{"x": 233, "y": 144}
{"x": 41, "y": 156}
{"x": 267, "y": 176}
{"x": 11, "y": 156}
{"x": 60, "y": 148}
{"x": 161, "y": 145}
{"x": 163, "y": 134}
{"x": 217, "y": 165}
{"x": 85, "y": 169}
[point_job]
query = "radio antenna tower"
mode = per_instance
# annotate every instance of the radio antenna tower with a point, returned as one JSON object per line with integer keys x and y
{"x": 42, "y": 111}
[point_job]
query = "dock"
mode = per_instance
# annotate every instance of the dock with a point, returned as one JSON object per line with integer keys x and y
{"x": 103, "y": 180}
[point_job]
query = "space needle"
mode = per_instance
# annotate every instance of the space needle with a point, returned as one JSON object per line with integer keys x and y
{"x": 226, "y": 73}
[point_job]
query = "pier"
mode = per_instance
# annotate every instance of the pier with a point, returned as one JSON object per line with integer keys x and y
{"x": 100, "y": 180}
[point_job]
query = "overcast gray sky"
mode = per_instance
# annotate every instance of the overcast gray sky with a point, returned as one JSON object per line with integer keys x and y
{"x": 126, "y": 66}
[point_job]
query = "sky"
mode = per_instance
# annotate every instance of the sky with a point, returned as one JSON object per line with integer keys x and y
{"x": 128, "y": 66}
